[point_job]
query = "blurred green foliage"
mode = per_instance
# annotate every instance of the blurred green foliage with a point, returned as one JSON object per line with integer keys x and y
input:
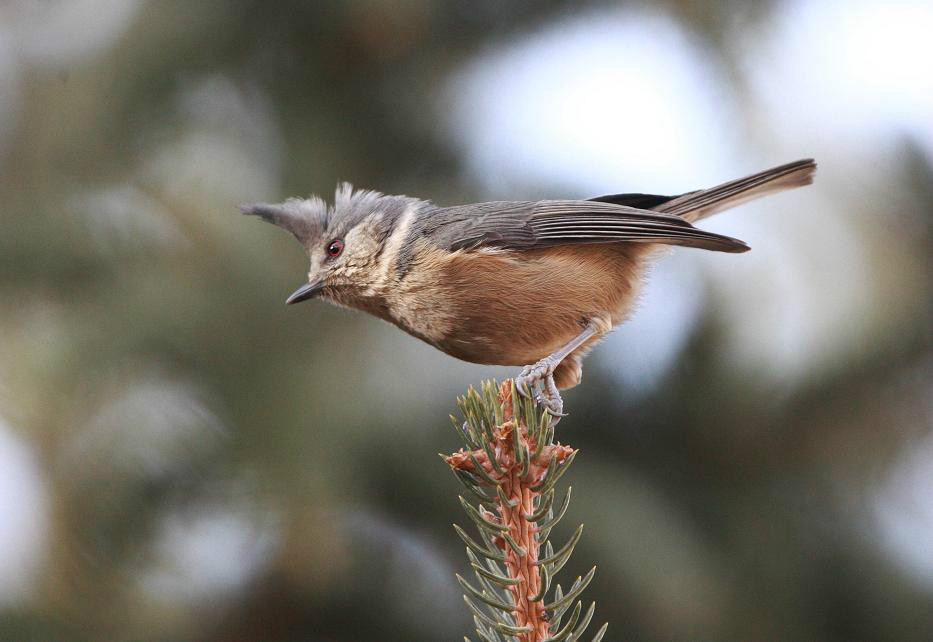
{"x": 215, "y": 466}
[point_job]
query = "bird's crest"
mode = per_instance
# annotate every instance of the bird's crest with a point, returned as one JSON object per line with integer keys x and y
{"x": 312, "y": 218}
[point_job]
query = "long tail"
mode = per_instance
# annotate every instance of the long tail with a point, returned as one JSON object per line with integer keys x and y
{"x": 697, "y": 205}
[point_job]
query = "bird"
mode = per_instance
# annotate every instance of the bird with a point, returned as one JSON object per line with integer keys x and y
{"x": 516, "y": 283}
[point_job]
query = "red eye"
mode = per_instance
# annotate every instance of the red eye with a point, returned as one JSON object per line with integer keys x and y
{"x": 335, "y": 248}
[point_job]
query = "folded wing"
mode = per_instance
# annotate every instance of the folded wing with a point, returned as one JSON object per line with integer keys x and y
{"x": 526, "y": 224}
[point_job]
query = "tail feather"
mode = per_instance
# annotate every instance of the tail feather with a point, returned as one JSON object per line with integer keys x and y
{"x": 694, "y": 206}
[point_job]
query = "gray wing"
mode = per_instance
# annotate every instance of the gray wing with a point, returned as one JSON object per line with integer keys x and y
{"x": 522, "y": 225}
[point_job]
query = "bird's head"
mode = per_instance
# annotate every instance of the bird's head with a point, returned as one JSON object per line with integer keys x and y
{"x": 344, "y": 241}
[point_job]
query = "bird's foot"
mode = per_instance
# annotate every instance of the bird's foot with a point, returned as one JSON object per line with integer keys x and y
{"x": 534, "y": 374}
{"x": 542, "y": 373}
{"x": 553, "y": 405}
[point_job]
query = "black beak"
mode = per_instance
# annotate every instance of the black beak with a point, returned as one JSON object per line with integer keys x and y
{"x": 306, "y": 291}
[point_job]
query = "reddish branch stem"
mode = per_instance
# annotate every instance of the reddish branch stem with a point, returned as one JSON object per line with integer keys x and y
{"x": 514, "y": 512}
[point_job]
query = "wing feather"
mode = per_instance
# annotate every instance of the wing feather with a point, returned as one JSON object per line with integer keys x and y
{"x": 526, "y": 225}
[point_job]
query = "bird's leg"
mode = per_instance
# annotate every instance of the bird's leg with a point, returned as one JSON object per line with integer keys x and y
{"x": 543, "y": 372}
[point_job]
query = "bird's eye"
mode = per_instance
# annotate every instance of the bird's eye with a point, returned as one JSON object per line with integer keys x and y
{"x": 335, "y": 248}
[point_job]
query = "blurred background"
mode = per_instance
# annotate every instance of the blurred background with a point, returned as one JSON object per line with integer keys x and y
{"x": 183, "y": 457}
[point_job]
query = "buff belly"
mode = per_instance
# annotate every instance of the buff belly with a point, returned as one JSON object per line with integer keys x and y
{"x": 515, "y": 307}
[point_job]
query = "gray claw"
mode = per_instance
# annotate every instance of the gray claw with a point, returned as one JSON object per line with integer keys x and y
{"x": 554, "y": 406}
{"x": 556, "y": 414}
{"x": 522, "y": 388}
{"x": 521, "y": 382}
